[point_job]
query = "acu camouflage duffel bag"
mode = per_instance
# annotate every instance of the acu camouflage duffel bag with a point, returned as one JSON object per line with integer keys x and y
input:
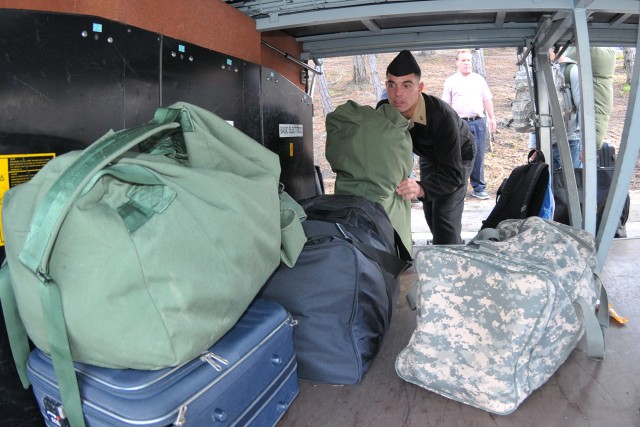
{"x": 497, "y": 318}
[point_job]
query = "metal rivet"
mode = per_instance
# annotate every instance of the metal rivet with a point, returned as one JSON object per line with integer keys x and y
{"x": 219, "y": 415}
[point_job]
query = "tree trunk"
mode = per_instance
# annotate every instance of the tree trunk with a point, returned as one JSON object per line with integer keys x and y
{"x": 325, "y": 97}
{"x": 378, "y": 87}
{"x": 477, "y": 62}
{"x": 629, "y": 60}
{"x": 359, "y": 70}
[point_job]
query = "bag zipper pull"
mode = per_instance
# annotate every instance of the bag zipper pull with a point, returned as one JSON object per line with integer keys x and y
{"x": 181, "y": 419}
{"x": 214, "y": 360}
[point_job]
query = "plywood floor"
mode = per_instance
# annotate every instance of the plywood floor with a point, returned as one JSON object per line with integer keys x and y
{"x": 581, "y": 393}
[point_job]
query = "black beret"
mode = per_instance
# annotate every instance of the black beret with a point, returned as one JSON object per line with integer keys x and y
{"x": 403, "y": 64}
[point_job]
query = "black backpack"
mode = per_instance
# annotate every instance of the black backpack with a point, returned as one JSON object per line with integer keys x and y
{"x": 521, "y": 195}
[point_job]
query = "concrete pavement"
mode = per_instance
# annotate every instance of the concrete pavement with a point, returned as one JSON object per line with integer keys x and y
{"x": 475, "y": 211}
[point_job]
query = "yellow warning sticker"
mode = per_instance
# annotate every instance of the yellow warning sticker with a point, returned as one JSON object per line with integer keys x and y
{"x": 16, "y": 169}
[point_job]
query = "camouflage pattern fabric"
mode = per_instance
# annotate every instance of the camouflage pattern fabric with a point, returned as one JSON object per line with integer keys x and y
{"x": 496, "y": 319}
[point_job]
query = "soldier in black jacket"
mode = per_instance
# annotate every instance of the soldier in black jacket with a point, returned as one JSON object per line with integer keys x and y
{"x": 444, "y": 144}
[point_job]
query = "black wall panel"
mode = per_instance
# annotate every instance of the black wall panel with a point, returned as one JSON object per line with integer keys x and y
{"x": 212, "y": 81}
{"x": 141, "y": 76}
{"x": 288, "y": 131}
{"x": 60, "y": 75}
{"x": 67, "y": 79}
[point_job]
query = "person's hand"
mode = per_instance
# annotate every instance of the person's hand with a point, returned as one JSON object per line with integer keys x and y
{"x": 410, "y": 189}
{"x": 492, "y": 125}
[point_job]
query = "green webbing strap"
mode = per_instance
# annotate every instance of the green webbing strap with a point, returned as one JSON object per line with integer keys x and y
{"x": 60, "y": 353}
{"x": 595, "y": 327}
{"x": 46, "y": 224}
{"x": 486, "y": 234}
{"x": 57, "y": 201}
{"x": 18, "y": 339}
{"x": 133, "y": 173}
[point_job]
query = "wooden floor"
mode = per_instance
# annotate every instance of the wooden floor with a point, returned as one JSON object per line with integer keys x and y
{"x": 581, "y": 393}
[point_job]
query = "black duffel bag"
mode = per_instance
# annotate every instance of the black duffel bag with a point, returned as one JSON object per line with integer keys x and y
{"x": 604, "y": 177}
{"x": 342, "y": 289}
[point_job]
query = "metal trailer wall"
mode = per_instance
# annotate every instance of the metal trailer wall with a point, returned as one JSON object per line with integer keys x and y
{"x": 65, "y": 80}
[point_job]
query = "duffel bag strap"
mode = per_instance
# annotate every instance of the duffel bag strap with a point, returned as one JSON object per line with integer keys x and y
{"x": 386, "y": 260}
{"x": 595, "y": 326}
{"x": 46, "y": 224}
{"x": 291, "y": 232}
{"x": 486, "y": 234}
{"x": 56, "y": 203}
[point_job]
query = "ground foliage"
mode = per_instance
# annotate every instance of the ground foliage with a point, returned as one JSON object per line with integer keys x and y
{"x": 509, "y": 148}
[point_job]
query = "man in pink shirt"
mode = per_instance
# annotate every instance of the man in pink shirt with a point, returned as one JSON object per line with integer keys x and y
{"x": 469, "y": 95}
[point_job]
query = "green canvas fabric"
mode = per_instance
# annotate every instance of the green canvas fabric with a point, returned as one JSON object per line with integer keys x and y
{"x": 603, "y": 64}
{"x": 156, "y": 254}
{"x": 371, "y": 152}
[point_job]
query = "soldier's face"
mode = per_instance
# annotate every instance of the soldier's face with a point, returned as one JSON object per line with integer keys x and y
{"x": 404, "y": 92}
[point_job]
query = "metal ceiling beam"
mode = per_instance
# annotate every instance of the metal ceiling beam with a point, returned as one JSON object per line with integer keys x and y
{"x": 280, "y": 19}
{"x": 556, "y": 31}
{"x": 420, "y": 38}
{"x": 371, "y": 25}
{"x": 279, "y": 15}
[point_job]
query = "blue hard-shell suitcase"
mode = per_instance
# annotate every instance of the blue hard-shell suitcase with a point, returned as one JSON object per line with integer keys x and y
{"x": 249, "y": 377}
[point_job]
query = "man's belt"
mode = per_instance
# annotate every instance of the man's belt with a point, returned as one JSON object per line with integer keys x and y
{"x": 471, "y": 119}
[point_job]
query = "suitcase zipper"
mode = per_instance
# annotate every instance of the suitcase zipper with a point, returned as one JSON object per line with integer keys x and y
{"x": 181, "y": 419}
{"x": 212, "y": 359}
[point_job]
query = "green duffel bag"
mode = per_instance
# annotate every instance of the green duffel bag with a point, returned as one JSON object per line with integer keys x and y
{"x": 142, "y": 259}
{"x": 370, "y": 151}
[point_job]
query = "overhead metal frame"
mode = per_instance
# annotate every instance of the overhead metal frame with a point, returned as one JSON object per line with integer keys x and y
{"x": 328, "y": 28}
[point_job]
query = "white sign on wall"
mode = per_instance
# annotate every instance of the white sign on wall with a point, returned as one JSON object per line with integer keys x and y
{"x": 290, "y": 131}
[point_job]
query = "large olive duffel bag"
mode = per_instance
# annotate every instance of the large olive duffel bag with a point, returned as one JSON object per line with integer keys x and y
{"x": 142, "y": 259}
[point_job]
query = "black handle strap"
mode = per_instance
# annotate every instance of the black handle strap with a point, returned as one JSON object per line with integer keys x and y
{"x": 387, "y": 261}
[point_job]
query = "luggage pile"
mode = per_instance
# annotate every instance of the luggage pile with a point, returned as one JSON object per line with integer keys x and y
{"x": 126, "y": 268}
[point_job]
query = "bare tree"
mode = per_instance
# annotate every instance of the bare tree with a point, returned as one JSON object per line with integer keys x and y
{"x": 377, "y": 84}
{"x": 325, "y": 97}
{"x": 359, "y": 70}
{"x": 629, "y": 60}
{"x": 477, "y": 62}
